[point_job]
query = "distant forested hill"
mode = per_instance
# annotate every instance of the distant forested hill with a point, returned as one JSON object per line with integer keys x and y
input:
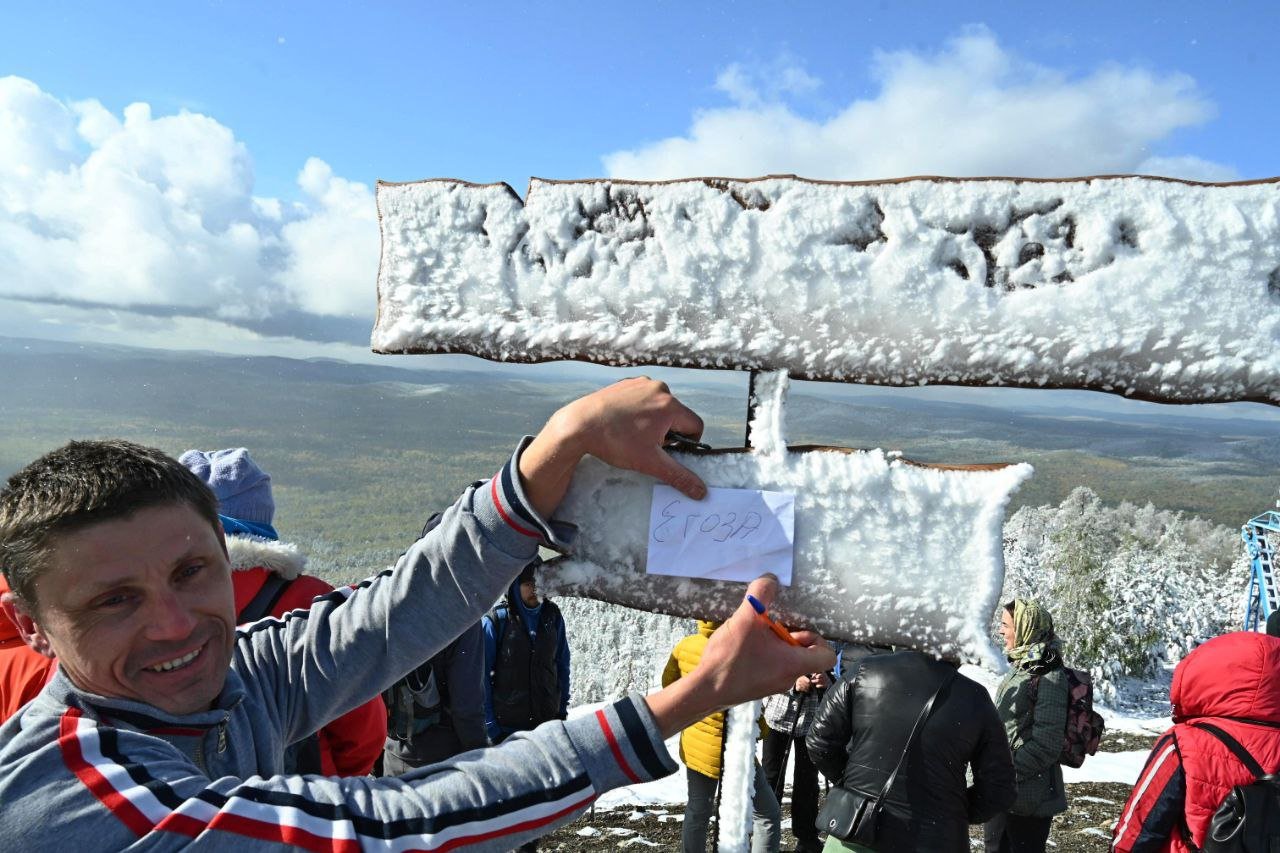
{"x": 359, "y": 454}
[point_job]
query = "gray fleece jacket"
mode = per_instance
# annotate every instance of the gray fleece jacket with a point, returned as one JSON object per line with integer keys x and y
{"x": 86, "y": 772}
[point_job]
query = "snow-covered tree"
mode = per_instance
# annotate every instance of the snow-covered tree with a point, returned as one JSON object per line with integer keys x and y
{"x": 1130, "y": 588}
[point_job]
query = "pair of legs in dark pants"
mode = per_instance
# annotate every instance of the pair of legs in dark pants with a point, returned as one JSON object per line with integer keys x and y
{"x": 1013, "y": 833}
{"x": 804, "y": 786}
{"x": 766, "y": 814}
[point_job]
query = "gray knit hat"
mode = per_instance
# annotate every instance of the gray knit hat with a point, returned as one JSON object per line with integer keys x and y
{"x": 242, "y": 488}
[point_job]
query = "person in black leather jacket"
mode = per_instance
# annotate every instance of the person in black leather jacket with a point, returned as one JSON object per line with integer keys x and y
{"x": 863, "y": 724}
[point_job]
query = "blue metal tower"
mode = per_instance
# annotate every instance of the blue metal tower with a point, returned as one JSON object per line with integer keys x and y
{"x": 1262, "y": 539}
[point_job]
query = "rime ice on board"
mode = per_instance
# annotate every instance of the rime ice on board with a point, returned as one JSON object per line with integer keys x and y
{"x": 885, "y": 550}
{"x": 1161, "y": 289}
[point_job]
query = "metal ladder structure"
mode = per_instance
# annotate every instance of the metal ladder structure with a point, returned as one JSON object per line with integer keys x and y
{"x": 1262, "y": 539}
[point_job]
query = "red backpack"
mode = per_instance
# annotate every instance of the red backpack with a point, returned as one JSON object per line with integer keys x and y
{"x": 1084, "y": 725}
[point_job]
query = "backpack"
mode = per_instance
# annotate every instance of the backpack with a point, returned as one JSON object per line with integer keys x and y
{"x": 1084, "y": 725}
{"x": 415, "y": 703}
{"x": 1248, "y": 819}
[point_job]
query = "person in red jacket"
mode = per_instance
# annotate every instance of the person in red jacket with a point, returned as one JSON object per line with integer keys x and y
{"x": 267, "y": 577}
{"x": 23, "y": 671}
{"x": 1231, "y": 682}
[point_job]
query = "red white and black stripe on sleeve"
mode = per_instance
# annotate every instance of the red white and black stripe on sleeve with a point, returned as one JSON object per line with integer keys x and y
{"x": 513, "y": 507}
{"x": 146, "y": 803}
{"x": 1150, "y": 818}
{"x": 634, "y": 753}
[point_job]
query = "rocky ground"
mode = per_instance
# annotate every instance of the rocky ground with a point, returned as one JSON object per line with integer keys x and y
{"x": 1084, "y": 827}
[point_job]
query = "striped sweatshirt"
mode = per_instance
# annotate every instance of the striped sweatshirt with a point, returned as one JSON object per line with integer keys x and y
{"x": 86, "y": 772}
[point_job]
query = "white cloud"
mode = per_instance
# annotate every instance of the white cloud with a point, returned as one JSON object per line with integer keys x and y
{"x": 154, "y": 213}
{"x": 751, "y": 87}
{"x": 37, "y": 135}
{"x": 105, "y": 325}
{"x": 332, "y": 244}
{"x": 970, "y": 109}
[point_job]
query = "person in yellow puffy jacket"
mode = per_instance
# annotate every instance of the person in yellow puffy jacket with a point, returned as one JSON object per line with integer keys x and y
{"x": 701, "y": 751}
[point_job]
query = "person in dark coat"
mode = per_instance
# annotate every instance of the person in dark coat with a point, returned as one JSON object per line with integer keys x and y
{"x": 437, "y": 711}
{"x": 863, "y": 725}
{"x": 526, "y": 658}
{"x": 789, "y": 716}
{"x": 526, "y": 661}
{"x": 1034, "y": 727}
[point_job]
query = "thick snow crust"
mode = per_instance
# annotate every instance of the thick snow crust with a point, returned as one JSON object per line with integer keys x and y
{"x": 737, "y": 781}
{"x": 886, "y": 551}
{"x": 1151, "y": 287}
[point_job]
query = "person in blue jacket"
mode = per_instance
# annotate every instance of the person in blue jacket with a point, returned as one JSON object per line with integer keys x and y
{"x": 526, "y": 660}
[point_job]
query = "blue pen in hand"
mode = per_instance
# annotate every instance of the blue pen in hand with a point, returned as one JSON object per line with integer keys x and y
{"x": 761, "y": 613}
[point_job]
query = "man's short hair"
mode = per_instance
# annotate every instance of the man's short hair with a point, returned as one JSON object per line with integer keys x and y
{"x": 80, "y": 484}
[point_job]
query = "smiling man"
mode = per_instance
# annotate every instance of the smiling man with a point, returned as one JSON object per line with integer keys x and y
{"x": 139, "y": 608}
{"x": 165, "y": 726}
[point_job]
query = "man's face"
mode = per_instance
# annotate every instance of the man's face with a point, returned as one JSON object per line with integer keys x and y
{"x": 529, "y": 593}
{"x": 141, "y": 608}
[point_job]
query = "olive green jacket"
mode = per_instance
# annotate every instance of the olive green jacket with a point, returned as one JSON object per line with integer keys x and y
{"x": 1035, "y": 738}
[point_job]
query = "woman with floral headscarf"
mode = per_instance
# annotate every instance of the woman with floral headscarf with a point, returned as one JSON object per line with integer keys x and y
{"x": 1032, "y": 703}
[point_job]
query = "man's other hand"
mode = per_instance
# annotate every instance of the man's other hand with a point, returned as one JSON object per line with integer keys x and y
{"x": 743, "y": 660}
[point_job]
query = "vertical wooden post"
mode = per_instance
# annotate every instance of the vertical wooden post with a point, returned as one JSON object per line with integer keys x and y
{"x": 751, "y": 406}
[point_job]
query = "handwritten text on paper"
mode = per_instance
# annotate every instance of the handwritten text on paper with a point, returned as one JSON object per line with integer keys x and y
{"x": 731, "y": 535}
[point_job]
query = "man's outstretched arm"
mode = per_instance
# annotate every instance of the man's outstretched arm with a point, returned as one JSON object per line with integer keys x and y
{"x": 112, "y": 788}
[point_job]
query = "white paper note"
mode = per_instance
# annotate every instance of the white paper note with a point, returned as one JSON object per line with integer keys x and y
{"x": 731, "y": 535}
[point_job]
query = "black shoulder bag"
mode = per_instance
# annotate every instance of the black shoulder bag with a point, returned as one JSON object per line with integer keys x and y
{"x": 852, "y": 815}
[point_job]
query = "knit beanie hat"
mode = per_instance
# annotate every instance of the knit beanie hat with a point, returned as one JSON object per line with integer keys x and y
{"x": 242, "y": 488}
{"x": 529, "y": 572}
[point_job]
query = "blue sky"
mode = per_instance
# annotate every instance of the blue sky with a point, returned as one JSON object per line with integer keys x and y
{"x": 200, "y": 174}
{"x": 499, "y": 91}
